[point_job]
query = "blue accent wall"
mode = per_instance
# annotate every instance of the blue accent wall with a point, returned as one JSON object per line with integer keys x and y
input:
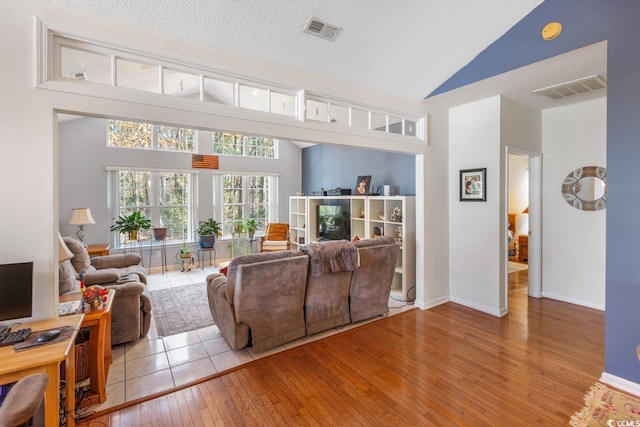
{"x": 331, "y": 166}
{"x": 585, "y": 22}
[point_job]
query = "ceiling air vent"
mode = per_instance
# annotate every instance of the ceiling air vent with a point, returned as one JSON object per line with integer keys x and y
{"x": 321, "y": 29}
{"x": 574, "y": 87}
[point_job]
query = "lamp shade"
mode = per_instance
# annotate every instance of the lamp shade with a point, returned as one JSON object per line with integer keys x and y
{"x": 63, "y": 251}
{"x": 81, "y": 216}
{"x": 526, "y": 210}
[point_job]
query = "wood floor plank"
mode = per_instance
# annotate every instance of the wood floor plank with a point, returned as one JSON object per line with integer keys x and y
{"x": 450, "y": 365}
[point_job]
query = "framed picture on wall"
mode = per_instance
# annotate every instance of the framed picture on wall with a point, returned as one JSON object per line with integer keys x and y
{"x": 362, "y": 185}
{"x": 473, "y": 185}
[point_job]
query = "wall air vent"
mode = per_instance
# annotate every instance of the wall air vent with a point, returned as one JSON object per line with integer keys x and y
{"x": 574, "y": 87}
{"x": 321, "y": 29}
{"x": 79, "y": 75}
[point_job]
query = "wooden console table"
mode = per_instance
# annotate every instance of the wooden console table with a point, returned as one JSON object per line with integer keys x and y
{"x": 98, "y": 321}
{"x": 46, "y": 359}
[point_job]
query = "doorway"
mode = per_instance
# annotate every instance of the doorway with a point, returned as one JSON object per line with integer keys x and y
{"x": 523, "y": 213}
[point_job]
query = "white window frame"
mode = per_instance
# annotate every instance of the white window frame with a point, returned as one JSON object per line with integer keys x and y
{"x": 154, "y": 137}
{"x": 114, "y": 199}
{"x": 218, "y": 195}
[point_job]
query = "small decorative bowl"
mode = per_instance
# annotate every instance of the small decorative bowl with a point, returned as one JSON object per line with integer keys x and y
{"x": 381, "y": 215}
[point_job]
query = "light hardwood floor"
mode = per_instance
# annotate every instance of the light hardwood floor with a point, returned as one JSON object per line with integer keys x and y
{"x": 450, "y": 365}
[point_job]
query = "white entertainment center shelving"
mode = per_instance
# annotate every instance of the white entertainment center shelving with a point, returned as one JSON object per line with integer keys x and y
{"x": 370, "y": 216}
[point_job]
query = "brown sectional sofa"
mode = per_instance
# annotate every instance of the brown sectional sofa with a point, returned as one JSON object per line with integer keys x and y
{"x": 268, "y": 299}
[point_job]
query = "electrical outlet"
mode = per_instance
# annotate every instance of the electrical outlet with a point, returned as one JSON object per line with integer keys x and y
{"x": 157, "y": 254}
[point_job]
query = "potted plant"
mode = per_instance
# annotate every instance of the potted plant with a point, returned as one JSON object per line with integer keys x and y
{"x": 131, "y": 224}
{"x": 207, "y": 232}
{"x": 251, "y": 225}
{"x": 159, "y": 233}
{"x": 184, "y": 252}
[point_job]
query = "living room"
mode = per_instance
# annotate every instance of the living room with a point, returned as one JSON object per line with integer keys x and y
{"x": 31, "y": 113}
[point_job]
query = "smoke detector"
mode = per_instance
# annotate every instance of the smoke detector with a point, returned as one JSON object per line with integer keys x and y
{"x": 321, "y": 29}
{"x": 573, "y": 87}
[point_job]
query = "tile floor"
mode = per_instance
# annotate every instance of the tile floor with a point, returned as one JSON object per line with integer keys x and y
{"x": 155, "y": 364}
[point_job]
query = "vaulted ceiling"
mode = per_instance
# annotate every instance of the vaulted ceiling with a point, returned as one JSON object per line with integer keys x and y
{"x": 406, "y": 48}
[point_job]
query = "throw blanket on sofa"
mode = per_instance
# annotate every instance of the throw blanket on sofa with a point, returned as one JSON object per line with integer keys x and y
{"x": 331, "y": 257}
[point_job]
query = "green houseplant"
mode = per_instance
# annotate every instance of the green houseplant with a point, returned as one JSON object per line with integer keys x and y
{"x": 131, "y": 224}
{"x": 207, "y": 232}
{"x": 251, "y": 225}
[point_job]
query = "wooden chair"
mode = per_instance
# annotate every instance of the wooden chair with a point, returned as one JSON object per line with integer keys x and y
{"x": 276, "y": 238}
{"x": 23, "y": 400}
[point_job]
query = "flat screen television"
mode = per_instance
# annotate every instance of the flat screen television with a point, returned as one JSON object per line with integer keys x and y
{"x": 334, "y": 221}
{"x": 16, "y": 290}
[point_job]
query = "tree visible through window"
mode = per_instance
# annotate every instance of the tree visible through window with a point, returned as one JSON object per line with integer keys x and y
{"x": 240, "y": 145}
{"x": 146, "y": 136}
{"x": 244, "y": 197}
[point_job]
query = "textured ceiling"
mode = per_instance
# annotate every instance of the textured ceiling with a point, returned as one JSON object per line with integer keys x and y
{"x": 405, "y": 48}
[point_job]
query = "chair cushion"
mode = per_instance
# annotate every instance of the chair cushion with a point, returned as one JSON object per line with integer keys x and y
{"x": 275, "y": 243}
{"x": 81, "y": 259}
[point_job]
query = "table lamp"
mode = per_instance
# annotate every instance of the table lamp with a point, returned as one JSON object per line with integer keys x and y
{"x": 81, "y": 217}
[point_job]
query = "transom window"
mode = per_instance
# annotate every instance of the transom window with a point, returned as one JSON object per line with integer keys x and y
{"x": 241, "y": 145}
{"x": 245, "y": 197}
{"x": 164, "y": 197}
{"x": 146, "y": 136}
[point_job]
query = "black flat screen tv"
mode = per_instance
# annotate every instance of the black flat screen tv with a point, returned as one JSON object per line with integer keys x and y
{"x": 16, "y": 290}
{"x": 334, "y": 221}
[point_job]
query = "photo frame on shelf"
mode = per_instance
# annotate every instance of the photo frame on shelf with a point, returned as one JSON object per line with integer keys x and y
{"x": 362, "y": 185}
{"x": 473, "y": 185}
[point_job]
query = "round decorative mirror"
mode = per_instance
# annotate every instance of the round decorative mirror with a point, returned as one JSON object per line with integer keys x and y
{"x": 586, "y": 188}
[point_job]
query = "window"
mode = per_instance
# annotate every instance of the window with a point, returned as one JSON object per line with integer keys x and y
{"x": 146, "y": 136}
{"x": 244, "y": 197}
{"x": 164, "y": 197}
{"x": 240, "y": 145}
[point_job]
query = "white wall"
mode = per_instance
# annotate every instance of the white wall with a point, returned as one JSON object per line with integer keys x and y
{"x": 29, "y": 162}
{"x": 573, "y": 243}
{"x": 474, "y": 227}
{"x": 518, "y": 198}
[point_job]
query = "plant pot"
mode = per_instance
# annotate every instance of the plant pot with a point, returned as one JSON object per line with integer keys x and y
{"x": 133, "y": 235}
{"x": 160, "y": 233}
{"x": 252, "y": 234}
{"x": 207, "y": 242}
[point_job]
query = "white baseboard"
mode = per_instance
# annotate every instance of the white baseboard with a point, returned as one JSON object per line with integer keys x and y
{"x": 432, "y": 303}
{"x": 576, "y": 301}
{"x": 476, "y": 306}
{"x": 620, "y": 383}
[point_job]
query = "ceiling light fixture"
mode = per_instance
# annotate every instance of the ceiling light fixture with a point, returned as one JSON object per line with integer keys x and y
{"x": 551, "y": 30}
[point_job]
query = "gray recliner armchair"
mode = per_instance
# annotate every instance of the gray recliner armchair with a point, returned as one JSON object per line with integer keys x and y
{"x": 131, "y": 309}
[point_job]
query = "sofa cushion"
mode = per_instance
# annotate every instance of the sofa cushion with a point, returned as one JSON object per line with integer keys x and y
{"x": 67, "y": 278}
{"x": 331, "y": 257}
{"x": 81, "y": 259}
{"x": 250, "y": 259}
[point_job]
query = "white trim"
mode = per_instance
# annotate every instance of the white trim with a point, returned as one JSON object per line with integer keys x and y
{"x": 620, "y": 383}
{"x": 230, "y": 172}
{"x": 151, "y": 169}
{"x": 575, "y": 301}
{"x": 476, "y": 306}
{"x": 432, "y": 303}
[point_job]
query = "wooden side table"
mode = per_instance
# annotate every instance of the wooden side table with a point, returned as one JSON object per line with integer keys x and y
{"x": 100, "y": 249}
{"x": 98, "y": 321}
{"x": 46, "y": 358}
{"x": 523, "y": 252}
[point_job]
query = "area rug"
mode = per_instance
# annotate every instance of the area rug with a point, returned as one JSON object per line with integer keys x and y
{"x": 607, "y": 407}
{"x": 180, "y": 309}
{"x": 515, "y": 266}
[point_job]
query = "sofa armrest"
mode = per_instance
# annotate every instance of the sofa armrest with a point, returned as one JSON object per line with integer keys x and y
{"x": 116, "y": 261}
{"x": 128, "y": 288}
{"x": 101, "y": 277}
{"x": 217, "y": 282}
